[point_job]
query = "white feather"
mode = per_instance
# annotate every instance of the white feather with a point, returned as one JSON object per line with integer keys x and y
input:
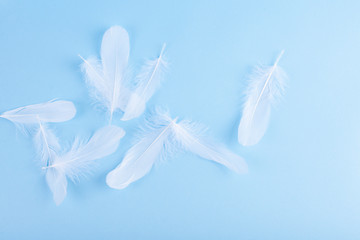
{"x": 147, "y": 82}
{"x": 190, "y": 136}
{"x": 153, "y": 144}
{"x": 265, "y": 87}
{"x": 106, "y": 79}
{"x": 78, "y": 161}
{"x": 161, "y": 137}
{"x": 53, "y": 111}
{"x": 47, "y": 144}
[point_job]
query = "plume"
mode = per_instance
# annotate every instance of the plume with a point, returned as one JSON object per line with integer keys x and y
{"x": 192, "y": 138}
{"x": 105, "y": 79}
{"x": 147, "y": 82}
{"x": 46, "y": 143}
{"x": 153, "y": 143}
{"x": 52, "y": 111}
{"x": 79, "y": 160}
{"x": 163, "y": 135}
{"x": 266, "y": 85}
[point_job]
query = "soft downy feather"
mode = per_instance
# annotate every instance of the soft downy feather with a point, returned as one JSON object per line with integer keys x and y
{"x": 153, "y": 143}
{"x": 191, "y": 138}
{"x": 164, "y": 135}
{"x": 52, "y": 111}
{"x": 79, "y": 160}
{"x": 265, "y": 86}
{"x": 46, "y": 143}
{"x": 147, "y": 82}
{"x": 105, "y": 79}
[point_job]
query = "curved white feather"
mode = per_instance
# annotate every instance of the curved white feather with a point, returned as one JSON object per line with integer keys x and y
{"x": 265, "y": 86}
{"x": 147, "y": 82}
{"x": 188, "y": 135}
{"x": 140, "y": 158}
{"x": 53, "y": 111}
{"x": 80, "y": 158}
{"x": 106, "y": 79}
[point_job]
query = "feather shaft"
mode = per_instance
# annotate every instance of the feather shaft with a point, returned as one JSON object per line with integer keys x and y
{"x": 267, "y": 81}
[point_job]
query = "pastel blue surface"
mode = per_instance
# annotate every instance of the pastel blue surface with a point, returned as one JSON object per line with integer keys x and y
{"x": 304, "y": 176}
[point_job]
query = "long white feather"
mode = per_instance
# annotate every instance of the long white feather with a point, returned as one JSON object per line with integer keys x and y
{"x": 265, "y": 86}
{"x": 106, "y": 79}
{"x": 153, "y": 144}
{"x": 190, "y": 136}
{"x": 53, "y": 111}
{"x": 147, "y": 82}
{"x": 164, "y": 135}
{"x": 78, "y": 161}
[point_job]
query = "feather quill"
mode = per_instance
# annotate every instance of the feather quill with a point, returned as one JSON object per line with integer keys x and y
{"x": 147, "y": 82}
{"x": 265, "y": 86}
{"x": 105, "y": 79}
{"x": 163, "y": 136}
{"x": 78, "y": 161}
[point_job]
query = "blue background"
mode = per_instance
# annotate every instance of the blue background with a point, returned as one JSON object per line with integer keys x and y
{"x": 304, "y": 178}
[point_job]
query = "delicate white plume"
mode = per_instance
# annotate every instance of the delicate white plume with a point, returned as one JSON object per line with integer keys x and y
{"x": 47, "y": 144}
{"x": 190, "y": 136}
{"x": 80, "y": 158}
{"x": 53, "y": 111}
{"x": 163, "y": 136}
{"x": 265, "y": 86}
{"x": 154, "y": 142}
{"x": 106, "y": 79}
{"x": 147, "y": 82}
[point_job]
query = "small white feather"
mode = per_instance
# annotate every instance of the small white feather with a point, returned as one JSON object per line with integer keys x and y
{"x": 153, "y": 144}
{"x": 106, "y": 79}
{"x": 190, "y": 136}
{"x": 47, "y": 144}
{"x": 53, "y": 111}
{"x": 265, "y": 86}
{"x": 78, "y": 161}
{"x": 147, "y": 82}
